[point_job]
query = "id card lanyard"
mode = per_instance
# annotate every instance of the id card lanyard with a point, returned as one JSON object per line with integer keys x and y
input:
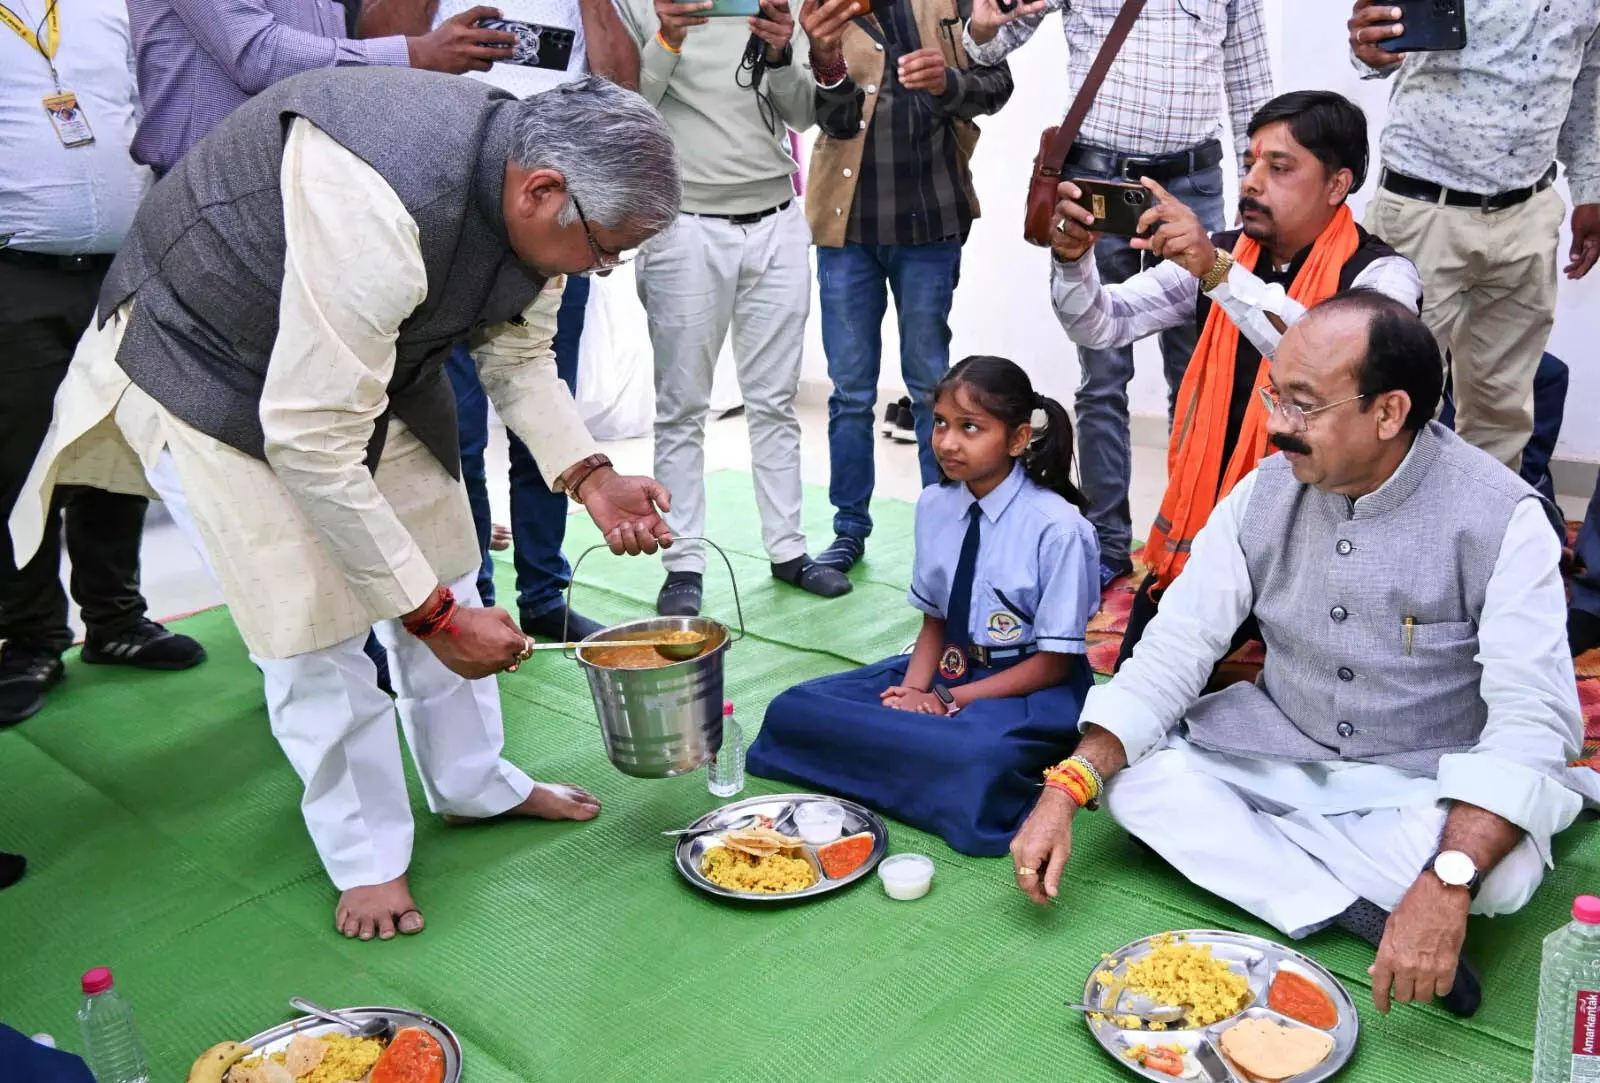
{"x": 66, "y": 115}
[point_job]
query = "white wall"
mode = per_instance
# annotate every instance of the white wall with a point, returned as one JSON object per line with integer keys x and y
{"x": 1003, "y": 304}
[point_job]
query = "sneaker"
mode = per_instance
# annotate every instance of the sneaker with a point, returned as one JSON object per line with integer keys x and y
{"x": 905, "y": 426}
{"x": 1112, "y": 570}
{"x": 26, "y": 674}
{"x": 813, "y": 577}
{"x": 843, "y": 553}
{"x": 12, "y": 866}
{"x": 560, "y": 625}
{"x": 146, "y": 645}
{"x": 681, "y": 594}
{"x": 891, "y": 419}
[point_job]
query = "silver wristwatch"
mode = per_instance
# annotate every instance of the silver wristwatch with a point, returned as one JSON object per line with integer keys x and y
{"x": 1456, "y": 869}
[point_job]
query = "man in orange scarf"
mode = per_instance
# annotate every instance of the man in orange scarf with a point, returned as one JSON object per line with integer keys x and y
{"x": 1298, "y": 244}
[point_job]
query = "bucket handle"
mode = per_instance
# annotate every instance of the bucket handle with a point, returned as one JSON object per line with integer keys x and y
{"x": 573, "y": 581}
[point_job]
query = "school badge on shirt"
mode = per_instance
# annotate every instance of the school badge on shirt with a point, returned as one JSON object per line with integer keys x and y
{"x": 1003, "y": 626}
{"x": 953, "y": 663}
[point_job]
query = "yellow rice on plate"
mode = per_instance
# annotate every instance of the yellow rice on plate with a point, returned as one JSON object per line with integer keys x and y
{"x": 345, "y": 1060}
{"x": 1183, "y": 975}
{"x": 739, "y": 871}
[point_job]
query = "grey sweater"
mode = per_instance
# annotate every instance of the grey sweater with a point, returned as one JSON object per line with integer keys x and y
{"x": 732, "y": 163}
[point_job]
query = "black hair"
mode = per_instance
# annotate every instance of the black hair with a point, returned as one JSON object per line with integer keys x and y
{"x": 1003, "y": 390}
{"x": 1329, "y": 125}
{"x": 1401, "y": 353}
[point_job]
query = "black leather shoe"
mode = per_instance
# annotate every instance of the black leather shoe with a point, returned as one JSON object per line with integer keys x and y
{"x": 681, "y": 595}
{"x": 26, "y": 674}
{"x": 548, "y": 627}
{"x": 12, "y": 866}
{"x": 146, "y": 645}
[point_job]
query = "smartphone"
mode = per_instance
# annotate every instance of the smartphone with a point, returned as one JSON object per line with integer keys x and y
{"x": 1432, "y": 26}
{"x": 730, "y": 8}
{"x": 1117, "y": 206}
{"x": 548, "y": 47}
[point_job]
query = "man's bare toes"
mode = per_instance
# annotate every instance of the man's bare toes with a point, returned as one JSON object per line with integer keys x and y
{"x": 385, "y": 926}
{"x": 411, "y": 923}
{"x": 378, "y": 910}
{"x": 558, "y": 801}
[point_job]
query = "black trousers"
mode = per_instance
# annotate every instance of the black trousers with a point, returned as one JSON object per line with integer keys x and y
{"x": 1146, "y": 602}
{"x": 43, "y": 312}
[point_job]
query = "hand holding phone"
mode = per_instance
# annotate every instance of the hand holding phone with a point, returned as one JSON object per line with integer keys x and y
{"x": 676, "y": 18}
{"x": 1171, "y": 230}
{"x": 774, "y": 25}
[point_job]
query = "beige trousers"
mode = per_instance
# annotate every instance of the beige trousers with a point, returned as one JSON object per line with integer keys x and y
{"x": 1489, "y": 297}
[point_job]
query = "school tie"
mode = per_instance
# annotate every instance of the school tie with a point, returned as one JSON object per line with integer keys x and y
{"x": 958, "y": 614}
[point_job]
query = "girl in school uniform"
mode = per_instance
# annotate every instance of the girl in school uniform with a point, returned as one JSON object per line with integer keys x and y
{"x": 953, "y": 738}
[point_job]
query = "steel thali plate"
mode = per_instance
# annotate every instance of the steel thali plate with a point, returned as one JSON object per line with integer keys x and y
{"x": 277, "y": 1039}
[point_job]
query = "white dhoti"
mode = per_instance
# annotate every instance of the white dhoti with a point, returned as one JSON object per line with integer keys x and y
{"x": 1296, "y": 843}
{"x": 303, "y": 623}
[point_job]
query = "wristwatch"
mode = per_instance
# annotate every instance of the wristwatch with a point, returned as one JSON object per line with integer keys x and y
{"x": 947, "y": 698}
{"x": 1219, "y": 270}
{"x": 578, "y": 473}
{"x": 1456, "y": 869}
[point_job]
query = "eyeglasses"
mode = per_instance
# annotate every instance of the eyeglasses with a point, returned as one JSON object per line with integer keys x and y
{"x": 1294, "y": 415}
{"x": 603, "y": 260}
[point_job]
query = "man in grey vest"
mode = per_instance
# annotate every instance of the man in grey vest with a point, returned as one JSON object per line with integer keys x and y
{"x": 1402, "y": 760}
{"x": 268, "y": 358}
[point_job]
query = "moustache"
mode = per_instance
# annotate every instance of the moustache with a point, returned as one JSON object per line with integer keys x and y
{"x": 1248, "y": 204}
{"x": 1289, "y": 443}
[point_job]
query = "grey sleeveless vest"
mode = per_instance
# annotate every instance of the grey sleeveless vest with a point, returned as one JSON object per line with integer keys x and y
{"x": 204, "y": 260}
{"x": 1334, "y": 584}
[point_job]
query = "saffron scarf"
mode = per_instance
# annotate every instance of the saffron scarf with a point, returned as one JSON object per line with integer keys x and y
{"x": 1197, "y": 478}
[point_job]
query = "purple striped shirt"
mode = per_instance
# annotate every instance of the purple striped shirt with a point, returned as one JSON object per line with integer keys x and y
{"x": 199, "y": 60}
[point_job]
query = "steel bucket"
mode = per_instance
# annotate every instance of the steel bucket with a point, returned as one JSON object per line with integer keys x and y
{"x": 666, "y": 721}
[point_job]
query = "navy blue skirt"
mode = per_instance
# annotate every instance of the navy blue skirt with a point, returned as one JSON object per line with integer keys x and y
{"x": 971, "y": 779}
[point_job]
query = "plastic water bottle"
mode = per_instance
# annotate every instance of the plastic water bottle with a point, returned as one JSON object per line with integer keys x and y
{"x": 1566, "y": 1043}
{"x": 111, "y": 1045}
{"x": 725, "y": 772}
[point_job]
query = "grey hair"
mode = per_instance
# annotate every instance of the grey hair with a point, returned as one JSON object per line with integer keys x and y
{"x": 614, "y": 150}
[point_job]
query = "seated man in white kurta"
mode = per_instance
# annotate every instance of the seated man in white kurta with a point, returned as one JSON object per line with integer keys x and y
{"x": 269, "y": 355}
{"x": 1402, "y": 760}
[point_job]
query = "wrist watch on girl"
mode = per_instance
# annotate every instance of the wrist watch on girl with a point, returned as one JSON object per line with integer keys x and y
{"x": 947, "y": 698}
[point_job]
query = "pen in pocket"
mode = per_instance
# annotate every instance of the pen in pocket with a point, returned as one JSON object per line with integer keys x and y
{"x": 1411, "y": 631}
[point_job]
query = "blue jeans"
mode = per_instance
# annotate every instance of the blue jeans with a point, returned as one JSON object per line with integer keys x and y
{"x": 923, "y": 278}
{"x": 1586, "y": 587}
{"x": 538, "y": 516}
{"x": 1105, "y": 449}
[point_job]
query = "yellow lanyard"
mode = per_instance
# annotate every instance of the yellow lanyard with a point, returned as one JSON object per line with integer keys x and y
{"x": 52, "y": 36}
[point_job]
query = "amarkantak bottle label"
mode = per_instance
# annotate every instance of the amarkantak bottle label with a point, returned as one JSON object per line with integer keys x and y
{"x": 1586, "y": 1038}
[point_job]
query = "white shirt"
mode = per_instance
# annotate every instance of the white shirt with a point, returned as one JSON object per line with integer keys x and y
{"x": 1492, "y": 117}
{"x": 311, "y": 548}
{"x": 520, "y": 79}
{"x": 1097, "y": 316}
{"x": 61, "y": 200}
{"x": 1518, "y": 770}
{"x": 1037, "y": 578}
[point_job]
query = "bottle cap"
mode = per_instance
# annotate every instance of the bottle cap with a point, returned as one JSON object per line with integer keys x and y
{"x": 727, "y": 707}
{"x": 97, "y": 980}
{"x": 1586, "y": 908}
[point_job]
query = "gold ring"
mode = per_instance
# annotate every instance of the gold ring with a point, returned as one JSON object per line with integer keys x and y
{"x": 526, "y": 652}
{"x": 1027, "y": 872}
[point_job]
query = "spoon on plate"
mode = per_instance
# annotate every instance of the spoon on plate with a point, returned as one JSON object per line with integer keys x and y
{"x": 736, "y": 825}
{"x": 1161, "y": 1013}
{"x": 380, "y": 1027}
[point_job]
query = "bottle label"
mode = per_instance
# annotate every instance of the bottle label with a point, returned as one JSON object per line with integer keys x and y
{"x": 1586, "y": 1038}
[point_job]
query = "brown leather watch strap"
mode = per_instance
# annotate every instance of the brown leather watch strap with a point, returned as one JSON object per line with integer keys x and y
{"x": 574, "y": 477}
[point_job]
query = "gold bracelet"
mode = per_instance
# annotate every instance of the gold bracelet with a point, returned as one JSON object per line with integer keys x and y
{"x": 1219, "y": 270}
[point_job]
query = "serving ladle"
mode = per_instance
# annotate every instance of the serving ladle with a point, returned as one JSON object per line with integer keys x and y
{"x": 676, "y": 650}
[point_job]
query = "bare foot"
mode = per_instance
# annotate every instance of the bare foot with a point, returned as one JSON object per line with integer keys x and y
{"x": 380, "y": 910}
{"x": 499, "y": 537}
{"x": 548, "y": 801}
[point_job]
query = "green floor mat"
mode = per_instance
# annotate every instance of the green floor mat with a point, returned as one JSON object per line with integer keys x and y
{"x": 163, "y": 830}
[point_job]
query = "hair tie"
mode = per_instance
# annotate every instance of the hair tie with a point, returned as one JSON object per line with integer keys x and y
{"x": 1039, "y": 420}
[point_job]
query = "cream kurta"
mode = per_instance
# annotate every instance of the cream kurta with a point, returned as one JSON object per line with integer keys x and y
{"x": 309, "y": 548}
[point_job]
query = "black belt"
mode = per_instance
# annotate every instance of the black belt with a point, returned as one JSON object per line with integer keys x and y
{"x": 1428, "y": 192}
{"x": 988, "y": 656}
{"x": 1158, "y": 167}
{"x": 746, "y": 219}
{"x": 40, "y": 261}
